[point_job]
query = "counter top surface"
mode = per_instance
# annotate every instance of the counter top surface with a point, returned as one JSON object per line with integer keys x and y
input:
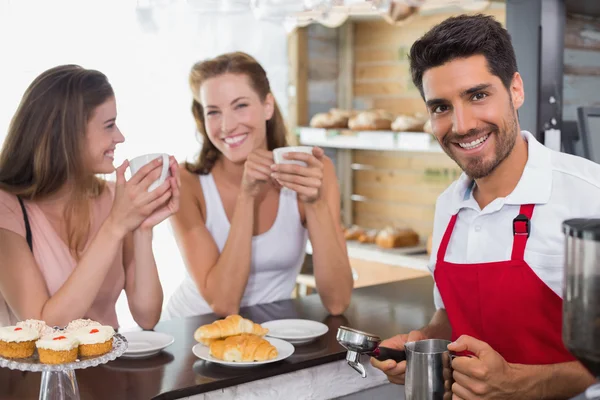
{"x": 384, "y": 310}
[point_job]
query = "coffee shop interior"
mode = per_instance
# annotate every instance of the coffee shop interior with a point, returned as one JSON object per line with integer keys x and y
{"x": 339, "y": 71}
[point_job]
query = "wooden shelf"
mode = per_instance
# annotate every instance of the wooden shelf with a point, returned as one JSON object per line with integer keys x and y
{"x": 368, "y": 140}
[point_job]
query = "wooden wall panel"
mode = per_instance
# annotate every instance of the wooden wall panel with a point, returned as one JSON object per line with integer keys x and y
{"x": 400, "y": 194}
{"x": 323, "y": 69}
{"x": 581, "y": 82}
{"x": 400, "y": 177}
{"x": 399, "y": 188}
{"x": 381, "y": 68}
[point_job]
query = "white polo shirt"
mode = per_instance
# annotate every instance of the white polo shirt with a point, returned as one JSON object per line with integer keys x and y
{"x": 561, "y": 186}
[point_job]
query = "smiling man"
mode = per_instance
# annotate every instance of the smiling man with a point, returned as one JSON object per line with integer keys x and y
{"x": 498, "y": 247}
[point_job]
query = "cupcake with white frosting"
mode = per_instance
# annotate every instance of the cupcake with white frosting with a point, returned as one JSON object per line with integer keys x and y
{"x": 77, "y": 324}
{"x": 58, "y": 348}
{"x": 37, "y": 325}
{"x": 94, "y": 340}
{"x": 17, "y": 342}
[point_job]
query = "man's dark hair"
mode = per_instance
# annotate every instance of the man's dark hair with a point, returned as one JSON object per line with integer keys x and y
{"x": 461, "y": 37}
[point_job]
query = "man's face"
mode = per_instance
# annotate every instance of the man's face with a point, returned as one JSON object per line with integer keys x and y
{"x": 473, "y": 115}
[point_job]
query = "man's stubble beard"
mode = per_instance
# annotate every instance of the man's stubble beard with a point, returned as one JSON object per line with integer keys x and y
{"x": 478, "y": 168}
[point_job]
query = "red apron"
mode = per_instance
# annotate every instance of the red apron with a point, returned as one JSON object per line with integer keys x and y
{"x": 503, "y": 303}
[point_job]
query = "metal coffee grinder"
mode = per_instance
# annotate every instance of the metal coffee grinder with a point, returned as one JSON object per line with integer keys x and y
{"x": 581, "y": 296}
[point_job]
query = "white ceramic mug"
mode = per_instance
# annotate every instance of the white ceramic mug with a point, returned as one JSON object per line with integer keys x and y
{"x": 279, "y": 152}
{"x": 139, "y": 162}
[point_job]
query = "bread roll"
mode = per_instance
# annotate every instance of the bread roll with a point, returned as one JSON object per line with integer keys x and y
{"x": 393, "y": 238}
{"x": 429, "y": 244}
{"x": 329, "y": 121}
{"x": 368, "y": 236}
{"x": 230, "y": 326}
{"x": 371, "y": 121}
{"x": 406, "y": 123}
{"x": 353, "y": 233}
{"x": 243, "y": 348}
{"x": 427, "y": 127}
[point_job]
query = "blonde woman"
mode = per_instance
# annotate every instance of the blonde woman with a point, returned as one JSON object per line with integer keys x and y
{"x": 244, "y": 221}
{"x": 71, "y": 242}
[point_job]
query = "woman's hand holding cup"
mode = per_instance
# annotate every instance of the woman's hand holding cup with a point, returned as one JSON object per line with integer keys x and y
{"x": 172, "y": 204}
{"x": 134, "y": 203}
{"x": 257, "y": 172}
{"x": 301, "y": 170}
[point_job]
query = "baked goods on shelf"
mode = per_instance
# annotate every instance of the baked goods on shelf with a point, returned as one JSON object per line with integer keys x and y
{"x": 390, "y": 238}
{"x": 58, "y": 348}
{"x": 429, "y": 244}
{"x": 17, "y": 342}
{"x": 353, "y": 233}
{"x": 372, "y": 120}
{"x": 408, "y": 123}
{"x": 94, "y": 340}
{"x": 329, "y": 120}
{"x": 368, "y": 236}
{"x": 230, "y": 326}
{"x": 243, "y": 348}
{"x": 427, "y": 127}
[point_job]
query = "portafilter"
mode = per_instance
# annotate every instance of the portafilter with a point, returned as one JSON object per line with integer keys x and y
{"x": 359, "y": 342}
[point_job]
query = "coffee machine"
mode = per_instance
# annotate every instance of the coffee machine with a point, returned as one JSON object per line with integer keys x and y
{"x": 581, "y": 296}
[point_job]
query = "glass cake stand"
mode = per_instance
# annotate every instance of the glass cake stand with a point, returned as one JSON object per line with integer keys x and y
{"x": 59, "y": 381}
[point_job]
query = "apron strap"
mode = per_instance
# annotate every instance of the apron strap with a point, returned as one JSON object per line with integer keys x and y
{"x": 521, "y": 231}
{"x": 441, "y": 255}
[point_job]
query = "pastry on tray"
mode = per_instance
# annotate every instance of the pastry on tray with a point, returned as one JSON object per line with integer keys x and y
{"x": 335, "y": 119}
{"x": 353, "y": 233}
{"x": 407, "y": 123}
{"x": 17, "y": 342}
{"x": 243, "y": 348}
{"x": 368, "y": 236}
{"x": 390, "y": 238}
{"x": 94, "y": 340}
{"x": 230, "y": 326}
{"x": 427, "y": 128}
{"x": 371, "y": 121}
{"x": 58, "y": 348}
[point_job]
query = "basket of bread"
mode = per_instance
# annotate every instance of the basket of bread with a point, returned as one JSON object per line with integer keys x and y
{"x": 238, "y": 341}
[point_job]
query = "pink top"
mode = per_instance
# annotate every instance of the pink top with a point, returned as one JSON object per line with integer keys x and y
{"x": 54, "y": 258}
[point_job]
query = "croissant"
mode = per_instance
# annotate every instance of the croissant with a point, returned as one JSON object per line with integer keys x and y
{"x": 230, "y": 326}
{"x": 243, "y": 348}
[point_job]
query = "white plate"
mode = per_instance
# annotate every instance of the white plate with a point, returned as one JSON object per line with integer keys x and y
{"x": 146, "y": 343}
{"x": 295, "y": 331}
{"x": 284, "y": 350}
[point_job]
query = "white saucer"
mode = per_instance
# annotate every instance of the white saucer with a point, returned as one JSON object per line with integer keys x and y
{"x": 146, "y": 343}
{"x": 284, "y": 350}
{"x": 296, "y": 331}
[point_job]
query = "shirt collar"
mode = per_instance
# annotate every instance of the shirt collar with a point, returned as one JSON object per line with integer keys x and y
{"x": 534, "y": 187}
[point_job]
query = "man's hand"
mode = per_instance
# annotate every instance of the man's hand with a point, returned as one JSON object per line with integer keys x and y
{"x": 486, "y": 375}
{"x": 396, "y": 371}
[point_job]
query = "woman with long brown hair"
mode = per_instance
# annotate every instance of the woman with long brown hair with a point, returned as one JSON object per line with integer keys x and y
{"x": 70, "y": 241}
{"x": 244, "y": 220}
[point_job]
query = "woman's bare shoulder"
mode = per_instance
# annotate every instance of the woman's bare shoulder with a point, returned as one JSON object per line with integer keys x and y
{"x": 192, "y": 198}
{"x": 8, "y": 200}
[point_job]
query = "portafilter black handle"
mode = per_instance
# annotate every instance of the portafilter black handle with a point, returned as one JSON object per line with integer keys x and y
{"x": 385, "y": 353}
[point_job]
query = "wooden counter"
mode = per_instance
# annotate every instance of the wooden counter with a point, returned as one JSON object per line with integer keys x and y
{"x": 175, "y": 373}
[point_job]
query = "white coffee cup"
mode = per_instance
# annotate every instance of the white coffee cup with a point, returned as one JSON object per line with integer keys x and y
{"x": 279, "y": 152}
{"x": 139, "y": 162}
